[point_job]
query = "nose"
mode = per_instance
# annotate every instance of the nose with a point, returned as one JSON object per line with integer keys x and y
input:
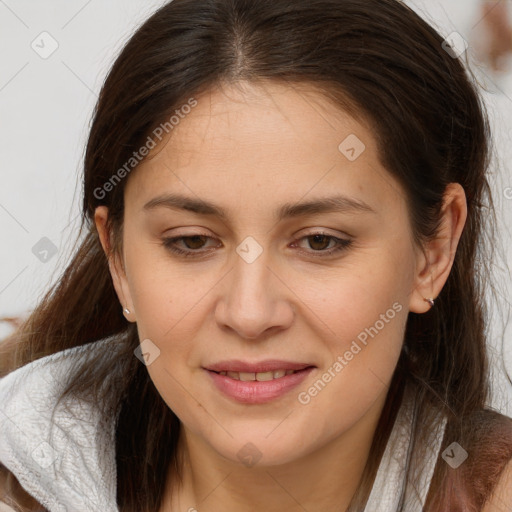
{"x": 254, "y": 302}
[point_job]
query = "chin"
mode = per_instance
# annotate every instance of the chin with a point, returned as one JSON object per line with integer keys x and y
{"x": 260, "y": 451}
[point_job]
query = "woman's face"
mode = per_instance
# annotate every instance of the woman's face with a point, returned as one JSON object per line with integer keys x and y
{"x": 311, "y": 263}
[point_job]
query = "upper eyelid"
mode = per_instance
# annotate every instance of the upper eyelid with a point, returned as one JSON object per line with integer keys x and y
{"x": 314, "y": 231}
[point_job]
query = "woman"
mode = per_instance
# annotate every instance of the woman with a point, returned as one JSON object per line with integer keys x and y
{"x": 276, "y": 303}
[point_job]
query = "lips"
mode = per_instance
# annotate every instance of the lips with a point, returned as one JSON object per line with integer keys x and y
{"x": 254, "y": 391}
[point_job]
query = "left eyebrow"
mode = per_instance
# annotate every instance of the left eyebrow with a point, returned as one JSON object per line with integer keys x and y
{"x": 339, "y": 204}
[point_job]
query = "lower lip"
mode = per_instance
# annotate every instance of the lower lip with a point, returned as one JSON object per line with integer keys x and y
{"x": 256, "y": 392}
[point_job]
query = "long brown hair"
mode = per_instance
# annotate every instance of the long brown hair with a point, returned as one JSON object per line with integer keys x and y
{"x": 373, "y": 58}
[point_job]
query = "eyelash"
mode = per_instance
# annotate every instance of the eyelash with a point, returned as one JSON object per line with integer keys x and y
{"x": 343, "y": 244}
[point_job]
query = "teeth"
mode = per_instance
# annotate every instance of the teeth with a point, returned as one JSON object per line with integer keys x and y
{"x": 260, "y": 377}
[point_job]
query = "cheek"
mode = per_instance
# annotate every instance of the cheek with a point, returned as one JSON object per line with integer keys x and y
{"x": 365, "y": 291}
{"x": 166, "y": 296}
{"x": 362, "y": 330}
{"x": 360, "y": 317}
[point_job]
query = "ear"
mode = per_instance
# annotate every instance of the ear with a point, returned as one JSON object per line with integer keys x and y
{"x": 435, "y": 259}
{"x": 115, "y": 264}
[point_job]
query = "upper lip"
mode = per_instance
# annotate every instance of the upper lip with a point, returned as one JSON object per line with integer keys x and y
{"x": 236, "y": 365}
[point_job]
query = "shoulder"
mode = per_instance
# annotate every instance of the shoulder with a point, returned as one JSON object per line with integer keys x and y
{"x": 476, "y": 461}
{"x": 12, "y": 492}
{"x": 488, "y": 436}
{"x": 28, "y": 393}
{"x": 56, "y": 445}
{"x": 501, "y": 496}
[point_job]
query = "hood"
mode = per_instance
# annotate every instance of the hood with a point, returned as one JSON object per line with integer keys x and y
{"x": 63, "y": 456}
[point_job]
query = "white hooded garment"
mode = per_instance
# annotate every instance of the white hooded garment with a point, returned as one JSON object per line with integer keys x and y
{"x": 67, "y": 462}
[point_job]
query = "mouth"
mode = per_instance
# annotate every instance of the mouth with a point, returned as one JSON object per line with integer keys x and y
{"x": 258, "y": 387}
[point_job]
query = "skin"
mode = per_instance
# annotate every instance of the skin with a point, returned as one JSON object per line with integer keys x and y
{"x": 249, "y": 149}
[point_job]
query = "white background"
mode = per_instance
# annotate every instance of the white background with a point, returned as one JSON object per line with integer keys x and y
{"x": 45, "y": 110}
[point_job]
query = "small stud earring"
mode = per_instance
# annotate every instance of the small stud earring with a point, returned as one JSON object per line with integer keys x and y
{"x": 430, "y": 301}
{"x": 126, "y": 311}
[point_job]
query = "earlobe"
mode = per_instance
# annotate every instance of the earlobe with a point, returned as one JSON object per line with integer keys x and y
{"x": 118, "y": 277}
{"x": 424, "y": 295}
{"x": 122, "y": 289}
{"x": 438, "y": 255}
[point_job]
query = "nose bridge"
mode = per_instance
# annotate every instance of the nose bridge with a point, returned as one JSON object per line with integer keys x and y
{"x": 250, "y": 289}
{"x": 250, "y": 304}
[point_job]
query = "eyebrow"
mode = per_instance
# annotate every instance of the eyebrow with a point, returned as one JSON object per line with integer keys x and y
{"x": 338, "y": 203}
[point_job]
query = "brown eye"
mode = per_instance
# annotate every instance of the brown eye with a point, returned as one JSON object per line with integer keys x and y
{"x": 192, "y": 245}
{"x": 187, "y": 245}
{"x": 197, "y": 241}
{"x": 319, "y": 242}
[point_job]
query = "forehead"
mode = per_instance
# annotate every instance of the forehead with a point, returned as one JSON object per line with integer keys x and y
{"x": 264, "y": 143}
